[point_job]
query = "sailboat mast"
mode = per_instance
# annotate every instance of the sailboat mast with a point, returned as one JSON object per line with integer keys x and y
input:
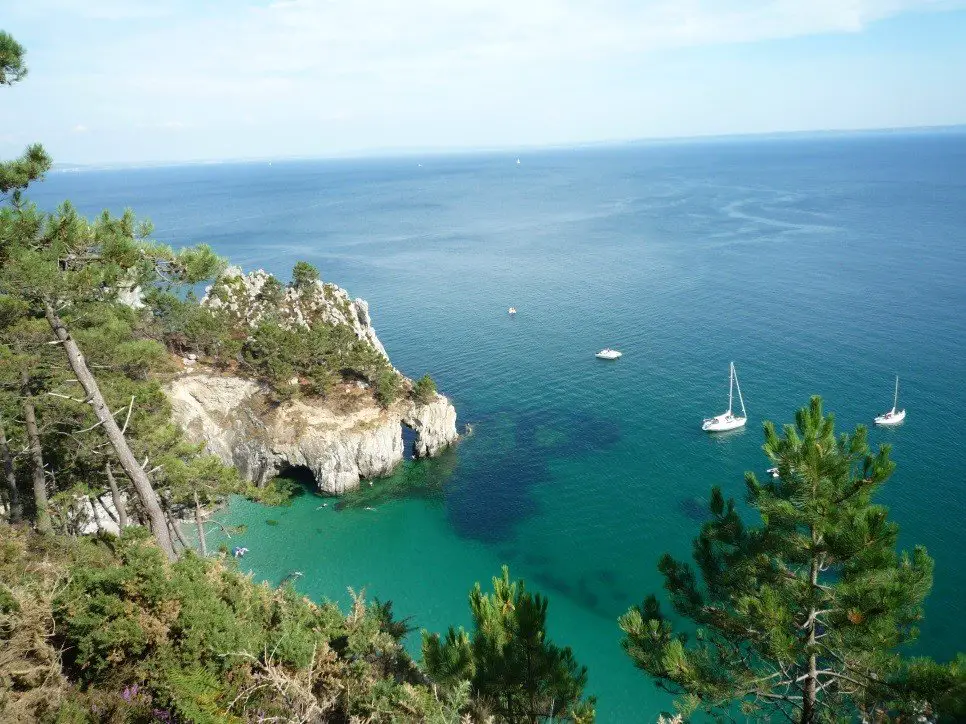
{"x": 895, "y": 400}
{"x": 740, "y": 398}
{"x": 731, "y": 385}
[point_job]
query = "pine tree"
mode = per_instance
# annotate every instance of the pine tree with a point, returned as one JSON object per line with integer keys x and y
{"x": 509, "y": 660}
{"x": 59, "y": 263}
{"x": 34, "y": 163}
{"x": 798, "y": 618}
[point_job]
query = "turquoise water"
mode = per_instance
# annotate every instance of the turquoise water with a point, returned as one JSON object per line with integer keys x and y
{"x": 818, "y": 265}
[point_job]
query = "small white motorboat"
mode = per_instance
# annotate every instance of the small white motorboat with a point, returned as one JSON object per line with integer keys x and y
{"x": 773, "y": 472}
{"x": 608, "y": 353}
{"x": 728, "y": 420}
{"x": 893, "y": 416}
{"x": 511, "y": 310}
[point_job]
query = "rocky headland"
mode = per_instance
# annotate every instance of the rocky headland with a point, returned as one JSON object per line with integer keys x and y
{"x": 342, "y": 437}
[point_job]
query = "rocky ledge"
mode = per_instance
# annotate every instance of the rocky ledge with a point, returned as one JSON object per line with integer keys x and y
{"x": 237, "y": 420}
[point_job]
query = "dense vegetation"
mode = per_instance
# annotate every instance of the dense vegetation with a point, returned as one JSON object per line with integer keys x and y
{"x": 104, "y": 629}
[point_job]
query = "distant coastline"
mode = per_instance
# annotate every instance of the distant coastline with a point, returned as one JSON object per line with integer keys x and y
{"x": 514, "y": 151}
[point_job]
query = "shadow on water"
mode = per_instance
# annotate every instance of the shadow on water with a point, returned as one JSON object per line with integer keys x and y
{"x": 598, "y": 593}
{"x": 510, "y": 455}
{"x": 413, "y": 479}
{"x": 487, "y": 481}
{"x": 695, "y": 508}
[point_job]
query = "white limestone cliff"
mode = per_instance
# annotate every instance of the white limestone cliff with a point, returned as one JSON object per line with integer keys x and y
{"x": 237, "y": 421}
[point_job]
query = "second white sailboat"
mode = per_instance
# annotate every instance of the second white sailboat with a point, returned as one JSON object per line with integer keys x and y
{"x": 728, "y": 420}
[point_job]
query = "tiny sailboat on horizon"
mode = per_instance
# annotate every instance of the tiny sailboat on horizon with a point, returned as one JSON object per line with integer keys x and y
{"x": 893, "y": 416}
{"x": 728, "y": 420}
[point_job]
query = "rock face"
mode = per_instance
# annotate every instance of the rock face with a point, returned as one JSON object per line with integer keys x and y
{"x": 237, "y": 421}
{"x": 434, "y": 424}
{"x": 249, "y": 297}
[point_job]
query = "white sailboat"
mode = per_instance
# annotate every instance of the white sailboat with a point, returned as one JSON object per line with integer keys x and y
{"x": 728, "y": 420}
{"x": 893, "y": 416}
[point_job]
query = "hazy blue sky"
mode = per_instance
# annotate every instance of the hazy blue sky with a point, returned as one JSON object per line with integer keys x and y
{"x": 139, "y": 80}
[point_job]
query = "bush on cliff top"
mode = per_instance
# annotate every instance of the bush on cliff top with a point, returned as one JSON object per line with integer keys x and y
{"x": 424, "y": 390}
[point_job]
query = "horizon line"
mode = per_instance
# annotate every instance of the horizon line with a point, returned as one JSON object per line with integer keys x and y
{"x": 437, "y": 151}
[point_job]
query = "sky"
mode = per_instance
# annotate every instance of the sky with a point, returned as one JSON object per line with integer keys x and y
{"x": 130, "y": 81}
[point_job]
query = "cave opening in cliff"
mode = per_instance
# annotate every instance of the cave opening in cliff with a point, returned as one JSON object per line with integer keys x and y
{"x": 302, "y": 477}
{"x": 409, "y": 440}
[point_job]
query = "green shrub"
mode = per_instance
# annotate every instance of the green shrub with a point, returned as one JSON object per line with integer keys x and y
{"x": 272, "y": 292}
{"x": 304, "y": 275}
{"x": 386, "y": 386}
{"x": 424, "y": 390}
{"x": 107, "y": 630}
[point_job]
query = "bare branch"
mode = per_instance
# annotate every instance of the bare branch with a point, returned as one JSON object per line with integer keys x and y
{"x": 130, "y": 409}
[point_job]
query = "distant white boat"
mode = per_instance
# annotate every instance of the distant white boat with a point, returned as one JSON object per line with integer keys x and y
{"x": 728, "y": 420}
{"x": 773, "y": 472}
{"x": 518, "y": 162}
{"x": 511, "y": 310}
{"x": 608, "y": 353}
{"x": 893, "y": 416}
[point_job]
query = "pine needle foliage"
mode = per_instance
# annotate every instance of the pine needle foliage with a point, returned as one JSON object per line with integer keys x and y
{"x": 16, "y": 175}
{"x": 510, "y": 662}
{"x": 800, "y": 617}
{"x": 424, "y": 390}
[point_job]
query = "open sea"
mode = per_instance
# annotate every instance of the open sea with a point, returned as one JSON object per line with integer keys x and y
{"x": 821, "y": 265}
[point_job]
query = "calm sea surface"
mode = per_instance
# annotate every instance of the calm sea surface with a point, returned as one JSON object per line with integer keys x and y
{"x": 819, "y": 266}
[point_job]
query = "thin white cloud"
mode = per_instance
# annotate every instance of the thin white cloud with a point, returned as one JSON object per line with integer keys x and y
{"x": 271, "y": 50}
{"x": 79, "y": 128}
{"x": 96, "y": 9}
{"x": 292, "y": 48}
{"x": 388, "y": 68}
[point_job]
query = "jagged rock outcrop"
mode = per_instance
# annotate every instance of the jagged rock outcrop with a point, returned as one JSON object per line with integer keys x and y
{"x": 237, "y": 421}
{"x": 434, "y": 424}
{"x": 247, "y": 298}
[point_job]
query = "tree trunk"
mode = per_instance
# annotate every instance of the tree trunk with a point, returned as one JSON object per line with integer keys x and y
{"x": 42, "y": 506}
{"x": 10, "y": 478}
{"x": 139, "y": 478}
{"x": 97, "y": 518}
{"x": 179, "y": 534}
{"x": 118, "y": 501}
{"x": 112, "y": 516}
{"x": 810, "y": 685}
{"x": 202, "y": 541}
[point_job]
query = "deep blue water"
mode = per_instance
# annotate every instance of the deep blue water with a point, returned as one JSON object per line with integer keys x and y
{"x": 820, "y": 266}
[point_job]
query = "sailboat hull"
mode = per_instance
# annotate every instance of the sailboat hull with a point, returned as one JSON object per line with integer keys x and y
{"x": 723, "y": 423}
{"x": 891, "y": 418}
{"x": 728, "y": 420}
